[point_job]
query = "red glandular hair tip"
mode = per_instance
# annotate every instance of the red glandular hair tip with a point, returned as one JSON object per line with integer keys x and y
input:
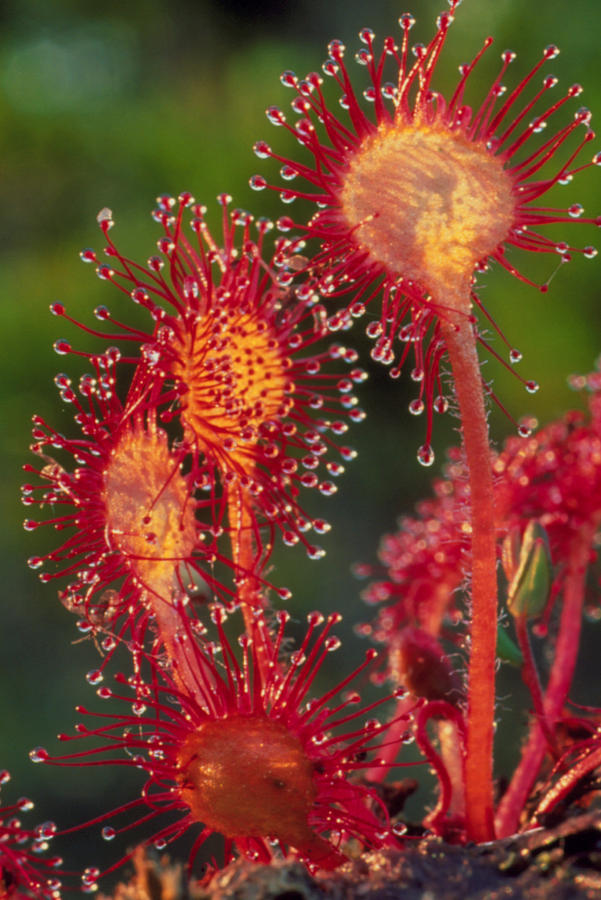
{"x": 129, "y": 538}
{"x": 24, "y": 870}
{"x": 245, "y": 753}
{"x": 425, "y": 189}
{"x": 238, "y": 360}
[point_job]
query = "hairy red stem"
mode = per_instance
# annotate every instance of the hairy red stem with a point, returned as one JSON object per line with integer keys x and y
{"x": 460, "y": 340}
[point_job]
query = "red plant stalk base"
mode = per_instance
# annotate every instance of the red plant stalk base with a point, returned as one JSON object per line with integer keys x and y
{"x": 461, "y": 346}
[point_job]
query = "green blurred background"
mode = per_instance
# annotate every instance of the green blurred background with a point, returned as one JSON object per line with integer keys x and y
{"x": 111, "y": 104}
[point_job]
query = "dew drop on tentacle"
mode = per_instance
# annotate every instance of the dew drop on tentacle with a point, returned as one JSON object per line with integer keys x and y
{"x": 105, "y": 218}
{"x": 425, "y": 455}
{"x": 262, "y": 149}
{"x": 515, "y": 356}
{"x": 315, "y": 552}
{"x": 62, "y": 347}
{"x": 89, "y": 880}
{"x": 38, "y": 754}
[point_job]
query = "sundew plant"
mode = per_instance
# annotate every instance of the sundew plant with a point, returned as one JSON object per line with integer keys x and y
{"x": 211, "y": 403}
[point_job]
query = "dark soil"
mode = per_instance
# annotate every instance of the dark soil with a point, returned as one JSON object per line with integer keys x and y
{"x": 559, "y": 863}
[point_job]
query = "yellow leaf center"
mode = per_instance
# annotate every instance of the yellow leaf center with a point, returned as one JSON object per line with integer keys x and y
{"x": 427, "y": 204}
{"x": 149, "y": 514}
{"x": 234, "y": 369}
